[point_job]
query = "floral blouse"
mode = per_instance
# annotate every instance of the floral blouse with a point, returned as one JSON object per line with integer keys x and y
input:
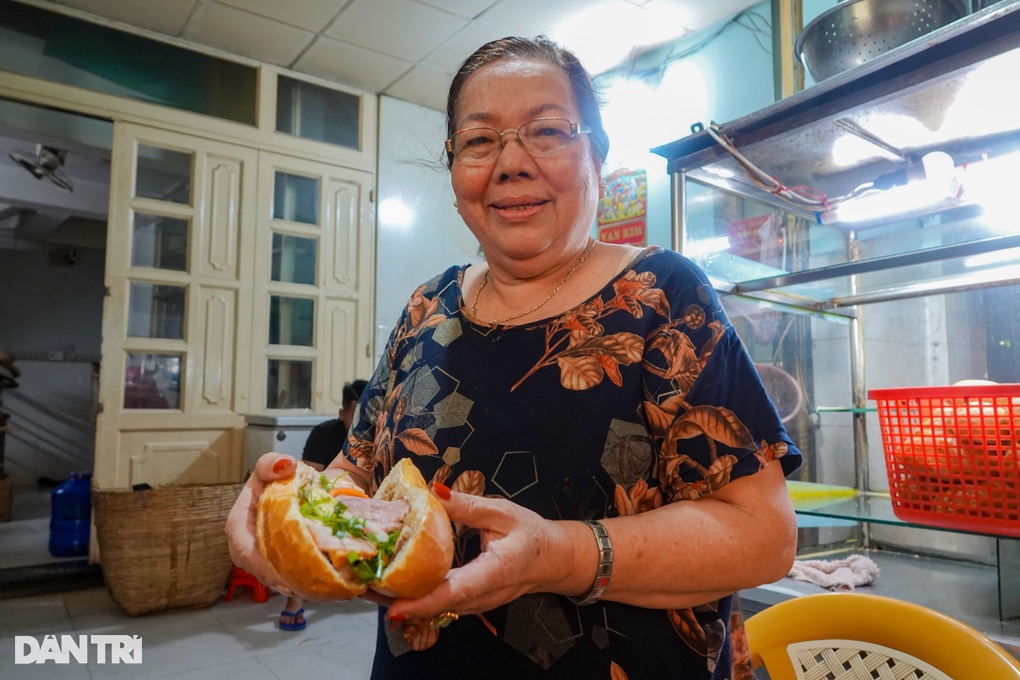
{"x": 641, "y": 396}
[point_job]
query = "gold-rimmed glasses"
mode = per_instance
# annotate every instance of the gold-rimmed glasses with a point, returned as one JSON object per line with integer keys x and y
{"x": 539, "y": 137}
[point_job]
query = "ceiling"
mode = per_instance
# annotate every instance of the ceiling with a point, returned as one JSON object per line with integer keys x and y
{"x": 407, "y": 49}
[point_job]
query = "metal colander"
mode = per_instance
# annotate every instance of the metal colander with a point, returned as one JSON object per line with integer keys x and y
{"x": 855, "y": 31}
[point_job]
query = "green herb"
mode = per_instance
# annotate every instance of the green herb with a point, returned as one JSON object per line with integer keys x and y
{"x": 319, "y": 505}
{"x": 371, "y": 568}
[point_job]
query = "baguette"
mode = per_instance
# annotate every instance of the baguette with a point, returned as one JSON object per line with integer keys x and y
{"x": 399, "y": 543}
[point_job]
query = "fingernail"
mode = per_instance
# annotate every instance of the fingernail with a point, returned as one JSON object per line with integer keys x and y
{"x": 441, "y": 490}
{"x": 396, "y": 620}
{"x": 279, "y": 465}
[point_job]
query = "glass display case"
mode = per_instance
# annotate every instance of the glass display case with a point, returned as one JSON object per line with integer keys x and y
{"x": 870, "y": 217}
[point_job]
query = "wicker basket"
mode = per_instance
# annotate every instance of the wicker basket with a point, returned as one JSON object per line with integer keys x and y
{"x": 164, "y": 548}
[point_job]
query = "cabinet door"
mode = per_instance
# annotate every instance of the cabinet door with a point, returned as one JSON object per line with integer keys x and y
{"x": 177, "y": 314}
{"x": 313, "y": 284}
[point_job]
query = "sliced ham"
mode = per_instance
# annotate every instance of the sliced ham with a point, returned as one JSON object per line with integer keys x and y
{"x": 330, "y": 544}
{"x": 384, "y": 516}
{"x": 380, "y": 517}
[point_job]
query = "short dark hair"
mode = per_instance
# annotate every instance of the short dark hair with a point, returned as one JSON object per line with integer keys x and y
{"x": 352, "y": 392}
{"x": 540, "y": 49}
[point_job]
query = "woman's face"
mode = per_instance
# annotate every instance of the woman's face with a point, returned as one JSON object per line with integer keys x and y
{"x": 519, "y": 206}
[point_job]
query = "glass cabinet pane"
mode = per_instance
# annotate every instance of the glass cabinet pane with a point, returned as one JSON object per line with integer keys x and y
{"x": 156, "y": 311}
{"x": 295, "y": 198}
{"x": 163, "y": 174}
{"x": 315, "y": 112}
{"x": 293, "y": 259}
{"x": 741, "y": 240}
{"x": 289, "y": 384}
{"x": 291, "y": 320}
{"x": 152, "y": 381}
{"x": 159, "y": 242}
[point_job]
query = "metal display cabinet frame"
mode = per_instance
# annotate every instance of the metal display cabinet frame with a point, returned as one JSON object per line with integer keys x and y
{"x": 932, "y": 81}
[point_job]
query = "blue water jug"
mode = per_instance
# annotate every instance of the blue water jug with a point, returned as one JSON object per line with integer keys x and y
{"x": 70, "y": 514}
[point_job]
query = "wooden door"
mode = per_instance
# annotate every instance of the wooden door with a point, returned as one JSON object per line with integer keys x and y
{"x": 314, "y": 277}
{"x": 177, "y": 315}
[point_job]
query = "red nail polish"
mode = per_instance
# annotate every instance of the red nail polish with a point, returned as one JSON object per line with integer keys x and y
{"x": 441, "y": 490}
{"x": 279, "y": 465}
{"x": 396, "y": 620}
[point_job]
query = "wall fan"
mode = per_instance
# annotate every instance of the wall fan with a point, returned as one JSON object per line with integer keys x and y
{"x": 46, "y": 163}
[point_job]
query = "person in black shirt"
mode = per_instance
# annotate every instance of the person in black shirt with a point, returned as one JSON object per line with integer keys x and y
{"x": 327, "y": 438}
{"x": 323, "y": 444}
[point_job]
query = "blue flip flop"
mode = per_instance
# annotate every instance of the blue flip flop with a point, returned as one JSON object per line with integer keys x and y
{"x": 297, "y": 618}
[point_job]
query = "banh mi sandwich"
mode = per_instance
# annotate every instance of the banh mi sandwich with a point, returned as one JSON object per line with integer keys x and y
{"x": 327, "y": 540}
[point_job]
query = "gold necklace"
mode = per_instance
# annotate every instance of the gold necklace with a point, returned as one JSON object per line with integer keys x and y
{"x": 485, "y": 281}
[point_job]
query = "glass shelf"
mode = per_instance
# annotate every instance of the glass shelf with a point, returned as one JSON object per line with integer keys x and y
{"x": 862, "y": 506}
{"x": 846, "y": 503}
{"x": 845, "y": 409}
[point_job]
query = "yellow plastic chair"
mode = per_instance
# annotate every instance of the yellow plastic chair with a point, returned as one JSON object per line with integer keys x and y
{"x": 854, "y": 636}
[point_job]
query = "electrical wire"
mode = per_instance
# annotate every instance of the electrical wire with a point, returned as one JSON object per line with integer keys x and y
{"x": 802, "y": 196}
{"x": 758, "y": 33}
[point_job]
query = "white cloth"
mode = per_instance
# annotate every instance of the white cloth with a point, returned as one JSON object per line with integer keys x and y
{"x": 856, "y": 570}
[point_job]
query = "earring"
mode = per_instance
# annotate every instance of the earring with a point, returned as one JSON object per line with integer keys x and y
{"x": 455, "y": 204}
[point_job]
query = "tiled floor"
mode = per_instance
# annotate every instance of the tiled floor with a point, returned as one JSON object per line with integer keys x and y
{"x": 229, "y": 640}
{"x": 237, "y": 639}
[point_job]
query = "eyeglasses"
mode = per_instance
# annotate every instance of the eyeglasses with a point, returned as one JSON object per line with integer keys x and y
{"x": 539, "y": 137}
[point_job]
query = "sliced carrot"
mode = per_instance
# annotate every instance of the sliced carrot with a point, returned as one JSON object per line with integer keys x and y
{"x": 347, "y": 491}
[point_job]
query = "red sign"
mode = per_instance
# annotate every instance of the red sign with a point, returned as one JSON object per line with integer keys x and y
{"x": 622, "y": 216}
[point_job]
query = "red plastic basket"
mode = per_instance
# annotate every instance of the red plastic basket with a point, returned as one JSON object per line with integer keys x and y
{"x": 952, "y": 455}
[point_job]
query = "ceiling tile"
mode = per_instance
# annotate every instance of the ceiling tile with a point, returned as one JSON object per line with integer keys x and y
{"x": 308, "y": 14}
{"x": 247, "y": 34}
{"x": 464, "y": 8}
{"x": 425, "y": 86}
{"x": 403, "y": 28}
{"x": 452, "y": 54}
{"x": 528, "y": 18}
{"x": 350, "y": 64}
{"x": 166, "y": 16}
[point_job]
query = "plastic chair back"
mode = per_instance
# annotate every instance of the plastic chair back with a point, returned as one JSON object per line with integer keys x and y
{"x": 856, "y": 636}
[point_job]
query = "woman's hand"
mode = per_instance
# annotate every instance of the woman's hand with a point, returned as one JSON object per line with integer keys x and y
{"x": 240, "y": 525}
{"x": 680, "y": 555}
{"x": 521, "y": 553}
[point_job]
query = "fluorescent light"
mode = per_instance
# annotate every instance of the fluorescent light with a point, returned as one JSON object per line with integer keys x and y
{"x": 918, "y": 186}
{"x": 708, "y": 246}
{"x": 986, "y": 259}
{"x": 990, "y": 184}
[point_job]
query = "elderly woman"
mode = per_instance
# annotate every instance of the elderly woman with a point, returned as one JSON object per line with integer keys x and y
{"x": 593, "y": 426}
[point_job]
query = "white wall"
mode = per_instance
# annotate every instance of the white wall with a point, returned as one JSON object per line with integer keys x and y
{"x": 727, "y": 74}
{"x": 419, "y": 232}
{"x": 51, "y": 319}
